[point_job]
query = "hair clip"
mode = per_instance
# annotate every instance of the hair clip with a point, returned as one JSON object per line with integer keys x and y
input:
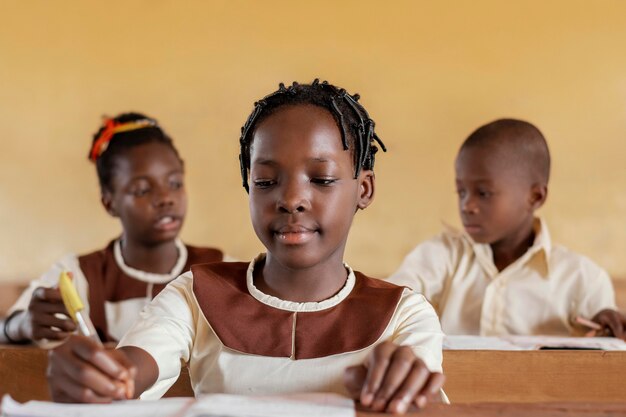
{"x": 111, "y": 127}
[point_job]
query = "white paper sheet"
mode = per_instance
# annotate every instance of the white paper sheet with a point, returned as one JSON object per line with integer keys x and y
{"x": 213, "y": 405}
{"x": 531, "y": 343}
{"x": 167, "y": 407}
{"x": 300, "y": 405}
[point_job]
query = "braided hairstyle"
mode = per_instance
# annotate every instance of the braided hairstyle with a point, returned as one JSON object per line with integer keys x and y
{"x": 120, "y": 142}
{"x": 353, "y": 121}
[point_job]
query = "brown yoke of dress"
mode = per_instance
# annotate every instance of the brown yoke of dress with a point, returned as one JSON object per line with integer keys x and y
{"x": 244, "y": 324}
{"x": 107, "y": 282}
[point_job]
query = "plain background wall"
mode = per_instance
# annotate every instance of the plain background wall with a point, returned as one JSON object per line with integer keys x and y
{"x": 429, "y": 72}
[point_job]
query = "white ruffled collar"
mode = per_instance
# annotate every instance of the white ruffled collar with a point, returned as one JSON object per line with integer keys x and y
{"x": 149, "y": 276}
{"x": 276, "y": 302}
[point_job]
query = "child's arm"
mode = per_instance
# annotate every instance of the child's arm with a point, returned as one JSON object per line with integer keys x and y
{"x": 612, "y": 320}
{"x": 392, "y": 379}
{"x": 428, "y": 266}
{"x": 82, "y": 371}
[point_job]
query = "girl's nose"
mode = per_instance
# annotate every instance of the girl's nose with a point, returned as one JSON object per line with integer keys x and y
{"x": 163, "y": 197}
{"x": 293, "y": 198}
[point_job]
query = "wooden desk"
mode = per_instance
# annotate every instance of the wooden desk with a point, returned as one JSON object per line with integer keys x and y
{"x": 472, "y": 376}
{"x": 534, "y": 376}
{"x": 23, "y": 375}
{"x": 568, "y": 409}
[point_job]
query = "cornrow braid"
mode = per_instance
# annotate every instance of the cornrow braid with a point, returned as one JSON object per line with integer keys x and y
{"x": 354, "y": 123}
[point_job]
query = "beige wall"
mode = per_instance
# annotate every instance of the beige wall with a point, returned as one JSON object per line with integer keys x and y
{"x": 428, "y": 71}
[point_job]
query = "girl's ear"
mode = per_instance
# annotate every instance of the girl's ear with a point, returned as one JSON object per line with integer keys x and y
{"x": 538, "y": 195}
{"x": 367, "y": 185}
{"x": 106, "y": 198}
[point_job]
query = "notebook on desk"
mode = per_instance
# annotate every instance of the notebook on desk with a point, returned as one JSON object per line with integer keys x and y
{"x": 531, "y": 343}
{"x": 211, "y": 405}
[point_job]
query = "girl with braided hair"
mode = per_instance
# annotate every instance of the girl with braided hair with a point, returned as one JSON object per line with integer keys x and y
{"x": 296, "y": 318}
{"x": 141, "y": 178}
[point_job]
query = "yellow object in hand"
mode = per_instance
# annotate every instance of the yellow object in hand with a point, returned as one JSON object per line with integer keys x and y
{"x": 70, "y": 296}
{"x": 75, "y": 307}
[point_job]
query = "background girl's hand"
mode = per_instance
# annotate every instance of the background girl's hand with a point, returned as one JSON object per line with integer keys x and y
{"x": 392, "y": 379}
{"x": 82, "y": 371}
{"x": 40, "y": 320}
{"x": 613, "y": 321}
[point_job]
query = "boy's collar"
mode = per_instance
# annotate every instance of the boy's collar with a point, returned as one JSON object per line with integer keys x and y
{"x": 542, "y": 243}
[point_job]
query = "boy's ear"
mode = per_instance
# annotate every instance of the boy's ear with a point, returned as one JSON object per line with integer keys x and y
{"x": 538, "y": 195}
{"x": 367, "y": 185}
{"x": 106, "y": 198}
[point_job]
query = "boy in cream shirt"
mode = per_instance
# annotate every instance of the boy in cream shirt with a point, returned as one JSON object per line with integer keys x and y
{"x": 503, "y": 275}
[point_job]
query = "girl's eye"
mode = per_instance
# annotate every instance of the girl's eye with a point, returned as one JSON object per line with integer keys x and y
{"x": 323, "y": 181}
{"x": 176, "y": 185}
{"x": 484, "y": 194}
{"x": 263, "y": 183}
{"x": 460, "y": 193}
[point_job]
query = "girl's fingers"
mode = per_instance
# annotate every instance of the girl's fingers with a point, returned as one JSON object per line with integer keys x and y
{"x": 68, "y": 367}
{"x": 353, "y": 379}
{"x": 430, "y": 389}
{"x": 48, "y": 333}
{"x": 92, "y": 379}
{"x": 50, "y": 320}
{"x": 128, "y": 383}
{"x": 412, "y": 385}
{"x": 376, "y": 364}
{"x": 72, "y": 392}
{"x": 400, "y": 365}
{"x": 89, "y": 351}
{"x": 48, "y": 295}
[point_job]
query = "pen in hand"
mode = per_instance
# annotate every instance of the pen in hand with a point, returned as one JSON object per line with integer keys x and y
{"x": 75, "y": 308}
{"x": 596, "y": 329}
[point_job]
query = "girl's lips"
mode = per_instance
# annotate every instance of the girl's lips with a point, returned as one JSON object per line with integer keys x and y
{"x": 294, "y": 234}
{"x": 295, "y": 237}
{"x": 168, "y": 223}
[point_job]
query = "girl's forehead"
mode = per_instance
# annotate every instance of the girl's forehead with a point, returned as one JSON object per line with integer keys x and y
{"x": 301, "y": 130}
{"x": 147, "y": 157}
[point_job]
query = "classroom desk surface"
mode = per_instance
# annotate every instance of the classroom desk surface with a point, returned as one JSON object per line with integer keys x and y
{"x": 472, "y": 376}
{"x": 567, "y": 409}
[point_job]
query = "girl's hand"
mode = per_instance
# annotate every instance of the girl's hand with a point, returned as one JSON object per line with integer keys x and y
{"x": 392, "y": 379}
{"x": 40, "y": 322}
{"x": 82, "y": 371}
{"x": 612, "y": 321}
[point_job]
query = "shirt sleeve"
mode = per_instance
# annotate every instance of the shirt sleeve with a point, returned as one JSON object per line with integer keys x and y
{"x": 596, "y": 292}
{"x": 427, "y": 267}
{"x": 50, "y": 279}
{"x": 166, "y": 330}
{"x": 417, "y": 326}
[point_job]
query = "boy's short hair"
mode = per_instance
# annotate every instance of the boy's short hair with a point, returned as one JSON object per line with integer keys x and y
{"x": 522, "y": 141}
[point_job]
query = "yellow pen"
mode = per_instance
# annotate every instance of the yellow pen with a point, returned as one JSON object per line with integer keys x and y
{"x": 75, "y": 307}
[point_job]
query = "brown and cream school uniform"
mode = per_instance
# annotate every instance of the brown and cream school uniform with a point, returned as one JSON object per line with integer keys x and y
{"x": 236, "y": 339}
{"x": 113, "y": 292}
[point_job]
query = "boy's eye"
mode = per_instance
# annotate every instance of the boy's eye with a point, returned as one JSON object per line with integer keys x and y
{"x": 484, "y": 194}
{"x": 323, "y": 181}
{"x": 460, "y": 193}
{"x": 263, "y": 183}
{"x": 140, "y": 192}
